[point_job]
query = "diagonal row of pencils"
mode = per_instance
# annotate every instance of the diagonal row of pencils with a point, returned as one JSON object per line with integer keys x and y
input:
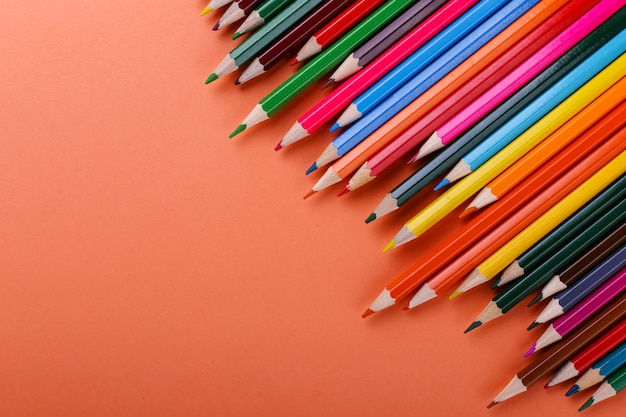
{"x": 526, "y": 100}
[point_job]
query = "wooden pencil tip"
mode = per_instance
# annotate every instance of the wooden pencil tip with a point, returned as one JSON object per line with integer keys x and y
{"x": 345, "y": 190}
{"x": 530, "y": 351}
{"x": 389, "y": 246}
{"x": 237, "y": 131}
{"x": 309, "y": 194}
{"x": 466, "y": 213}
{"x": 473, "y": 326}
{"x": 371, "y": 218}
{"x": 235, "y": 35}
{"x": 205, "y": 11}
{"x": 311, "y": 168}
{"x": 496, "y": 284}
{"x": 535, "y": 300}
{"x": 491, "y": 404}
{"x": 455, "y": 294}
{"x": 367, "y": 313}
{"x": 575, "y": 389}
{"x": 211, "y": 78}
{"x": 330, "y": 82}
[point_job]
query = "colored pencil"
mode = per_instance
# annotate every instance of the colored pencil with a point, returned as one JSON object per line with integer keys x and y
{"x": 534, "y": 159}
{"x": 551, "y": 359}
{"x": 513, "y": 226}
{"x": 488, "y": 148}
{"x": 235, "y": 12}
{"x": 555, "y": 239}
{"x": 260, "y": 15}
{"x": 609, "y": 388}
{"x": 483, "y": 129}
{"x": 315, "y": 69}
{"x": 417, "y": 61}
{"x": 581, "y": 266}
{"x": 520, "y": 76}
{"x": 519, "y": 290}
{"x": 526, "y": 141}
{"x": 567, "y": 299}
{"x": 588, "y": 358}
{"x": 336, "y": 28}
{"x": 413, "y": 124}
{"x": 382, "y": 41}
{"x": 328, "y": 107}
{"x": 469, "y": 41}
{"x": 476, "y": 239}
{"x": 214, "y": 5}
{"x": 292, "y": 39}
{"x": 601, "y": 369}
{"x": 569, "y": 321}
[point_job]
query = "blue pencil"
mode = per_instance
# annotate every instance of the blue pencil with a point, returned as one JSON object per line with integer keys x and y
{"x": 421, "y": 58}
{"x": 571, "y": 296}
{"x": 537, "y": 109}
{"x": 601, "y": 369}
{"x": 409, "y": 91}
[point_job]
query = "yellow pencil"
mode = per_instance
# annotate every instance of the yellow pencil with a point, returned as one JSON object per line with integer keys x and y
{"x": 501, "y": 258}
{"x": 471, "y": 184}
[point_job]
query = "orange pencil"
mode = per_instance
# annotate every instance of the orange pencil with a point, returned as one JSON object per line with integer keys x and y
{"x": 452, "y": 82}
{"x": 569, "y": 178}
{"x": 512, "y": 209}
{"x": 533, "y": 160}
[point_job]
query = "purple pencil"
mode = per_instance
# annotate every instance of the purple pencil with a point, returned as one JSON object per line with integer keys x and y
{"x": 568, "y": 322}
{"x": 383, "y": 40}
{"x": 568, "y": 298}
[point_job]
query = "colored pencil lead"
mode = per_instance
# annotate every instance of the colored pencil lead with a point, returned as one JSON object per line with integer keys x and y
{"x": 370, "y": 218}
{"x": 237, "y": 131}
{"x": 345, "y": 190}
{"x": 442, "y": 184}
{"x": 309, "y": 194}
{"x": 467, "y": 212}
{"x": 211, "y": 78}
{"x": 278, "y": 147}
{"x": 587, "y": 404}
{"x": 205, "y": 10}
{"x": 574, "y": 390}
{"x": 454, "y": 295}
{"x": 330, "y": 82}
{"x": 533, "y": 325}
{"x": 367, "y": 313}
{"x": 217, "y": 26}
{"x": 473, "y": 326}
{"x": 389, "y": 246}
{"x": 530, "y": 351}
{"x": 235, "y": 35}
{"x": 312, "y": 168}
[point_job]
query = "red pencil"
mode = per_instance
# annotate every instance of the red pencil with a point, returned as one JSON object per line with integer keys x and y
{"x": 335, "y": 28}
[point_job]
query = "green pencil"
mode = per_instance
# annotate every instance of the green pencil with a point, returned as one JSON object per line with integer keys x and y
{"x": 613, "y": 207}
{"x": 609, "y": 388}
{"x": 260, "y": 15}
{"x": 322, "y": 63}
{"x": 263, "y": 37}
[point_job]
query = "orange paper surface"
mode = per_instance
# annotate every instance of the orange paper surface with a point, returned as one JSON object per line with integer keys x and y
{"x": 150, "y": 266}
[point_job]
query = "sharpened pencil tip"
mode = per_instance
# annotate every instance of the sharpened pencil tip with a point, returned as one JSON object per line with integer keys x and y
{"x": 294, "y": 61}
{"x": 205, "y": 11}
{"x": 587, "y": 404}
{"x": 455, "y": 294}
{"x": 235, "y": 35}
{"x": 211, "y": 78}
{"x": 473, "y": 326}
{"x": 530, "y": 351}
{"x": 237, "y": 131}
{"x": 217, "y": 26}
{"x": 237, "y": 82}
{"x": 442, "y": 184}
{"x": 469, "y": 210}
{"x": 309, "y": 194}
{"x": 367, "y": 313}
{"x": 496, "y": 284}
{"x": 311, "y": 168}
{"x": 371, "y": 218}
{"x": 330, "y": 82}
{"x": 533, "y": 325}
{"x": 334, "y": 127}
{"x": 279, "y": 146}
{"x": 491, "y": 404}
{"x": 575, "y": 389}
{"x": 345, "y": 190}
{"x": 535, "y": 300}
{"x": 389, "y": 246}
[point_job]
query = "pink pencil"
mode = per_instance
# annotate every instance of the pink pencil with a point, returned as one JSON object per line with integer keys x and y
{"x": 568, "y": 322}
{"x": 355, "y": 85}
{"x": 521, "y": 75}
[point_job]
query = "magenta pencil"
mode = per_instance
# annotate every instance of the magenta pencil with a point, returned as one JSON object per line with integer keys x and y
{"x": 568, "y": 322}
{"x": 522, "y": 74}
{"x": 332, "y": 104}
